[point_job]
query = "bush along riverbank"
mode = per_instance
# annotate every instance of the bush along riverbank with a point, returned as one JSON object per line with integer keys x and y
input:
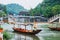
{"x": 6, "y": 35}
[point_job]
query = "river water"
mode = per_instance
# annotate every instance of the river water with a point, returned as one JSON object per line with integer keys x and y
{"x": 45, "y": 34}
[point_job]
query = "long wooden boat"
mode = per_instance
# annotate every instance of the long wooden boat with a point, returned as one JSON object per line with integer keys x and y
{"x": 55, "y": 28}
{"x": 20, "y": 30}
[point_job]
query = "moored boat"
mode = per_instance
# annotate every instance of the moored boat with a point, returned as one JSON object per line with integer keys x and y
{"x": 25, "y": 23}
{"x": 54, "y": 28}
{"x": 27, "y": 31}
{"x": 20, "y": 30}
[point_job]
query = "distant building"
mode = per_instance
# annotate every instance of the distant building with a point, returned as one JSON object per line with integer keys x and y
{"x": 38, "y": 19}
{"x": 24, "y": 13}
{"x": 22, "y": 19}
{"x": 10, "y": 14}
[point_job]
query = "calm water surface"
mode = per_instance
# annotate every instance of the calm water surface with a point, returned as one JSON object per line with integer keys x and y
{"x": 45, "y": 34}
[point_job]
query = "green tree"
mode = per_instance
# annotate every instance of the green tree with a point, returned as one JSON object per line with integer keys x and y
{"x": 56, "y": 9}
{"x": 31, "y": 12}
{"x": 2, "y": 13}
{"x": 48, "y": 12}
{"x": 35, "y": 11}
{"x": 50, "y": 8}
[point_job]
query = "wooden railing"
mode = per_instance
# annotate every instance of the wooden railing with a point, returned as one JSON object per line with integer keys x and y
{"x": 53, "y": 18}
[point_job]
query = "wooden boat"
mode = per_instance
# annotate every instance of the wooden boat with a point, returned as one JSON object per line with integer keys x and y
{"x": 20, "y": 30}
{"x": 54, "y": 28}
{"x": 26, "y": 31}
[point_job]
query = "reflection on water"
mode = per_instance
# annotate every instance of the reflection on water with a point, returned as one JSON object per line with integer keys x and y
{"x": 19, "y": 36}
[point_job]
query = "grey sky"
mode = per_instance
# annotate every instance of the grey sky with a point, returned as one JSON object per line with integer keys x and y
{"x": 27, "y": 4}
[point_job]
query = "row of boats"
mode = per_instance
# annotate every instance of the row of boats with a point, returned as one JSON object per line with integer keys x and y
{"x": 20, "y": 30}
{"x": 25, "y": 31}
{"x": 55, "y": 26}
{"x": 33, "y": 32}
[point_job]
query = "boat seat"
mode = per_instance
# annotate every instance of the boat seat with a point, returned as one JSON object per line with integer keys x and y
{"x": 30, "y": 31}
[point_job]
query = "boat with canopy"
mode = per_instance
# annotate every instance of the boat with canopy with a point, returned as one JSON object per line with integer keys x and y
{"x": 21, "y": 30}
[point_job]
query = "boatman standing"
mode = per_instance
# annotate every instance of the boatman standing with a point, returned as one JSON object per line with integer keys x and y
{"x": 35, "y": 26}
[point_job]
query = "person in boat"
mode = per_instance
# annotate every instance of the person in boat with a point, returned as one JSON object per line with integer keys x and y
{"x": 29, "y": 27}
{"x": 32, "y": 27}
{"x": 35, "y": 26}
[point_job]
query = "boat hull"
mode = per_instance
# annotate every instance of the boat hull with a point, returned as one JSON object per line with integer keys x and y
{"x": 26, "y": 31}
{"x": 55, "y": 28}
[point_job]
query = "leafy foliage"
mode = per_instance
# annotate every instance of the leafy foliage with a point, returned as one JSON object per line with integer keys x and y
{"x": 2, "y": 10}
{"x": 56, "y": 9}
{"x": 2, "y": 13}
{"x": 6, "y": 35}
{"x": 2, "y": 7}
{"x": 48, "y": 8}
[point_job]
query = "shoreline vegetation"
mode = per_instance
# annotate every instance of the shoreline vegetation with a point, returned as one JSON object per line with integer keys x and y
{"x": 6, "y": 35}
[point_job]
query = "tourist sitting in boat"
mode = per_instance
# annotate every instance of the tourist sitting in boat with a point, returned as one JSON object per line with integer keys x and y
{"x": 29, "y": 28}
